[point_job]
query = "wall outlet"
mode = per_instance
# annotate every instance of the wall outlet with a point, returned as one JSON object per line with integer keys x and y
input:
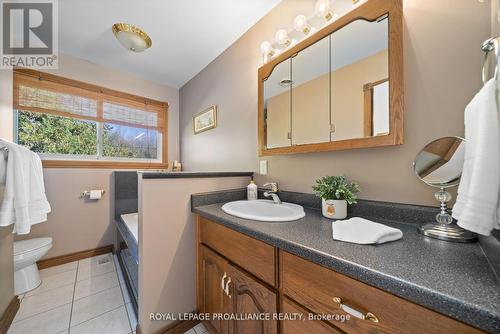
{"x": 263, "y": 167}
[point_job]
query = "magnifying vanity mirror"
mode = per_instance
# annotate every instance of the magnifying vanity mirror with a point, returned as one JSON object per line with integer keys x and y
{"x": 439, "y": 164}
{"x": 341, "y": 88}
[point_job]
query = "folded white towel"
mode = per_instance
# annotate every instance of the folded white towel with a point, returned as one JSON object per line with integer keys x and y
{"x": 24, "y": 201}
{"x": 477, "y": 206}
{"x": 363, "y": 231}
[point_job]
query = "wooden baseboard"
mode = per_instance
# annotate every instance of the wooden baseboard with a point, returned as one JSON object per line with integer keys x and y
{"x": 8, "y": 315}
{"x": 178, "y": 327}
{"x": 62, "y": 259}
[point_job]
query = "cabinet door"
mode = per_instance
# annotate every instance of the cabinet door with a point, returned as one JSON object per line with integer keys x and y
{"x": 249, "y": 296}
{"x": 212, "y": 272}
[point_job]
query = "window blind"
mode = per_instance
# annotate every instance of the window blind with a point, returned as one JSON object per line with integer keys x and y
{"x": 44, "y": 93}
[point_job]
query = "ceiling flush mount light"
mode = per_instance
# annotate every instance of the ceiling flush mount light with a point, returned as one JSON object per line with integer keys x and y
{"x": 323, "y": 9}
{"x": 282, "y": 38}
{"x": 131, "y": 37}
{"x": 300, "y": 24}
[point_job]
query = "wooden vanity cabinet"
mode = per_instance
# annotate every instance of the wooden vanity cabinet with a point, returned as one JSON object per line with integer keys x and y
{"x": 249, "y": 296}
{"x": 237, "y": 274}
{"x": 212, "y": 270}
{"x": 291, "y": 326}
{"x": 225, "y": 289}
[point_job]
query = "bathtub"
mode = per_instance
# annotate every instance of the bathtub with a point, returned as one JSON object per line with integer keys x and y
{"x": 131, "y": 222}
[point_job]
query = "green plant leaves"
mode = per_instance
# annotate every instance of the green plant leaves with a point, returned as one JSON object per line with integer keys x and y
{"x": 336, "y": 187}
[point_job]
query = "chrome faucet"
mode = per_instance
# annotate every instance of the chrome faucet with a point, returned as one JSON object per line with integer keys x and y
{"x": 272, "y": 192}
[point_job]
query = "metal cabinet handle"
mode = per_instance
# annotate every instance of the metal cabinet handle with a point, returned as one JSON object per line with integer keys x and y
{"x": 348, "y": 309}
{"x": 223, "y": 283}
{"x": 226, "y": 290}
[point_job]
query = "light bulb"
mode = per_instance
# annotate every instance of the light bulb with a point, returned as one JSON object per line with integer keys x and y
{"x": 266, "y": 48}
{"x": 300, "y": 24}
{"x": 322, "y": 9}
{"x": 282, "y": 37}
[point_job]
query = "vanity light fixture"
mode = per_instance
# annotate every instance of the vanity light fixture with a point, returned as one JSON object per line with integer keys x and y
{"x": 267, "y": 51}
{"x": 322, "y": 9}
{"x": 300, "y": 24}
{"x": 282, "y": 38}
{"x": 131, "y": 37}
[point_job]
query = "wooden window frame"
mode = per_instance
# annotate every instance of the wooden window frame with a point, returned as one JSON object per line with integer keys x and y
{"x": 368, "y": 107}
{"x": 100, "y": 94}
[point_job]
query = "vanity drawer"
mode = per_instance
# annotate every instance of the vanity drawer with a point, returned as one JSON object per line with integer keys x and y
{"x": 253, "y": 255}
{"x": 305, "y": 326}
{"x": 315, "y": 287}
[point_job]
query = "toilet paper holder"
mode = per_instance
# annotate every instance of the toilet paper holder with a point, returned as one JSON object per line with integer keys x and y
{"x": 86, "y": 193}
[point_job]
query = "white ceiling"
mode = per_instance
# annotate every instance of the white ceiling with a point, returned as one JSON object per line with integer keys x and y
{"x": 187, "y": 34}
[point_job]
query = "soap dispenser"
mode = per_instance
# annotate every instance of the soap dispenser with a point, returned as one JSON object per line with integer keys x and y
{"x": 252, "y": 191}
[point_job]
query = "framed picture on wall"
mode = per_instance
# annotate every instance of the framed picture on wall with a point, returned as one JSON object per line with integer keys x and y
{"x": 205, "y": 120}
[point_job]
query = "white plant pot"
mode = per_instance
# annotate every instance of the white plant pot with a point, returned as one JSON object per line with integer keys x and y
{"x": 334, "y": 208}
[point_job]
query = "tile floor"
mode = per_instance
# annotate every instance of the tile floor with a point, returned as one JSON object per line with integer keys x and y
{"x": 198, "y": 329}
{"x": 86, "y": 296}
{"x": 82, "y": 297}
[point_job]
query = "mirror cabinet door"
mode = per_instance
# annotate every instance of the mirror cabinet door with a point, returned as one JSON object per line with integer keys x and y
{"x": 359, "y": 80}
{"x": 277, "y": 106}
{"x": 311, "y": 94}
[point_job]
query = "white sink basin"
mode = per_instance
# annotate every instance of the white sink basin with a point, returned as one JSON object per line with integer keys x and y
{"x": 264, "y": 210}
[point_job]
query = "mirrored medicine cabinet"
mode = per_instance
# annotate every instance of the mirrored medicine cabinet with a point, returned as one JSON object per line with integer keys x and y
{"x": 340, "y": 88}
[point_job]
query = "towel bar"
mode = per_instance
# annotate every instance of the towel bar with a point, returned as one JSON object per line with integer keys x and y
{"x": 491, "y": 44}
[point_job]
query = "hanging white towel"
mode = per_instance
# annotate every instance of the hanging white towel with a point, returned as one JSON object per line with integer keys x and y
{"x": 477, "y": 205}
{"x": 363, "y": 231}
{"x": 24, "y": 200}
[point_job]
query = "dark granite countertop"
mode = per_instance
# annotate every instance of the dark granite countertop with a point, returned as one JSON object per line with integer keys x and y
{"x": 451, "y": 278}
{"x": 177, "y": 175}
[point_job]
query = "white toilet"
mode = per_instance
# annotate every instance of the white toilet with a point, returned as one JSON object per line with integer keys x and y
{"x": 26, "y": 253}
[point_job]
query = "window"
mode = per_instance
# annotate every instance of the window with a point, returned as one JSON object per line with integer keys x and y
{"x": 73, "y": 124}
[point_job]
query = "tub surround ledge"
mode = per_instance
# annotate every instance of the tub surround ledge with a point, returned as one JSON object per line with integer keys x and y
{"x": 454, "y": 279}
{"x": 180, "y": 175}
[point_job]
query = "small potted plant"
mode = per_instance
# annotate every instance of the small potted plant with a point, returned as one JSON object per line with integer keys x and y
{"x": 336, "y": 192}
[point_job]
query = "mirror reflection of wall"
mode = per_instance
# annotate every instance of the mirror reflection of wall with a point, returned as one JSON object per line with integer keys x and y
{"x": 359, "y": 57}
{"x": 311, "y": 94}
{"x": 339, "y": 88}
{"x": 277, "y": 106}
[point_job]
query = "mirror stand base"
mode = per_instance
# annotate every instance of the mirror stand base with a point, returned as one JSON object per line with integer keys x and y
{"x": 451, "y": 232}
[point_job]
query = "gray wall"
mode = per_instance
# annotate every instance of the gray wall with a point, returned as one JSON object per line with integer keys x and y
{"x": 443, "y": 64}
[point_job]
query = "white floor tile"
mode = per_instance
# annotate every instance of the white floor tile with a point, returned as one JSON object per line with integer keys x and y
{"x": 54, "y": 281}
{"x": 191, "y": 331}
{"x": 131, "y": 315}
{"x": 93, "y": 269}
{"x": 96, "y": 260}
{"x": 49, "y": 322}
{"x": 95, "y": 284}
{"x": 200, "y": 329}
{"x": 113, "y": 322}
{"x": 94, "y": 305}
{"x": 44, "y": 301}
{"x": 58, "y": 269}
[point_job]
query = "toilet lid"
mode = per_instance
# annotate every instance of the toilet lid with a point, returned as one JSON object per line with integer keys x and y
{"x": 29, "y": 245}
